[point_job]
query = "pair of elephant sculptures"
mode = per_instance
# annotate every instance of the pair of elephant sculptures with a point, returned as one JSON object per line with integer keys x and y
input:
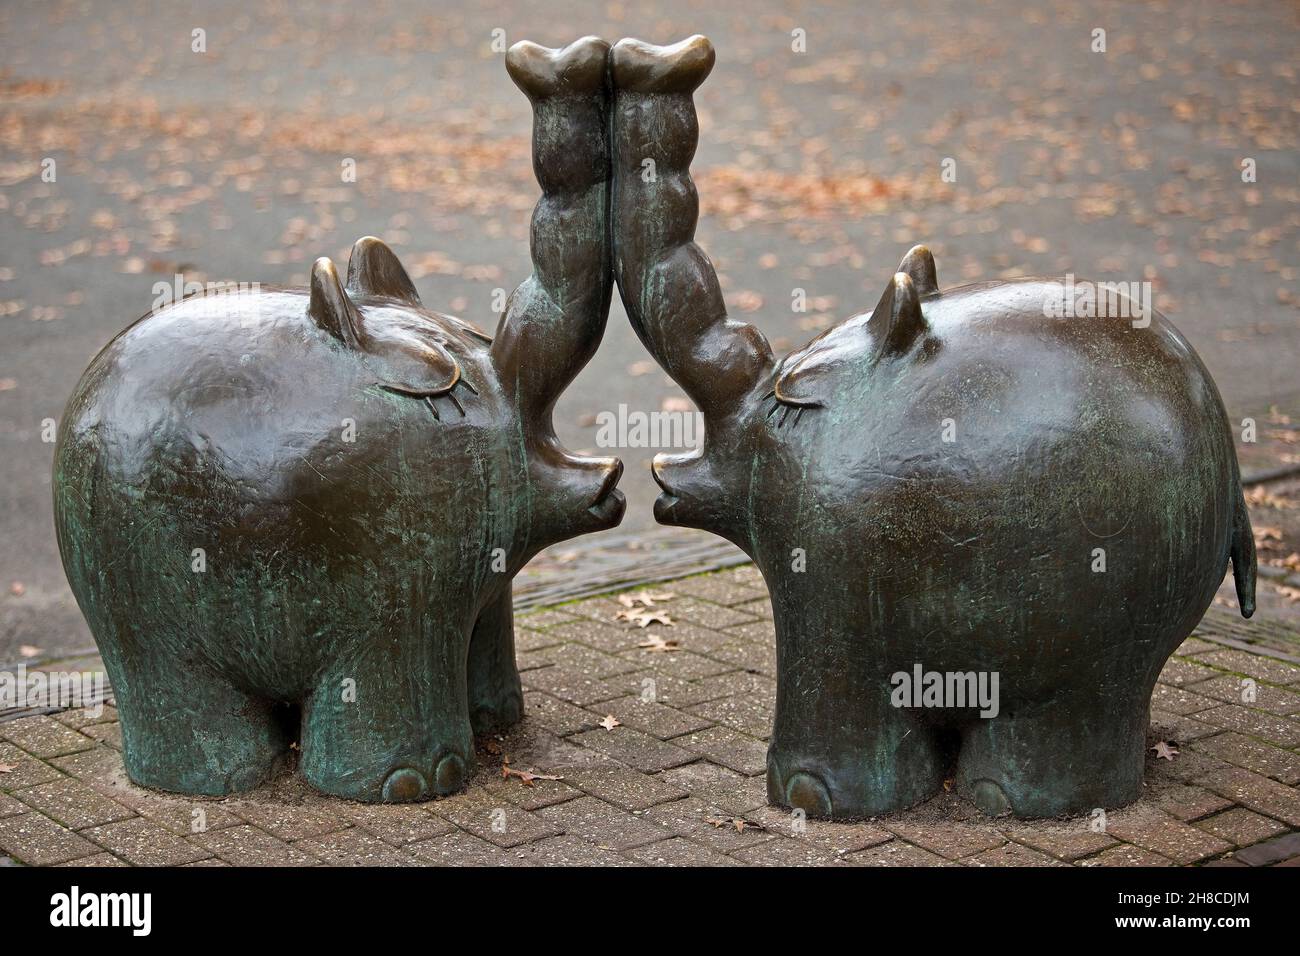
{"x": 293, "y": 515}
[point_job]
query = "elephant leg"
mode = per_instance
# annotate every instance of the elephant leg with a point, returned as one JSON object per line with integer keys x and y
{"x": 1082, "y": 750}
{"x": 868, "y": 759}
{"x": 496, "y": 700}
{"x": 391, "y": 724}
{"x": 189, "y": 731}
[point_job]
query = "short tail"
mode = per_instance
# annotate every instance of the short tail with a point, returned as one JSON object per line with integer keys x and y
{"x": 1243, "y": 557}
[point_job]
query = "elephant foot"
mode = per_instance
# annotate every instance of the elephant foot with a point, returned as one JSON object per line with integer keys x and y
{"x": 500, "y": 713}
{"x": 411, "y": 782}
{"x": 1053, "y": 764}
{"x": 894, "y": 773}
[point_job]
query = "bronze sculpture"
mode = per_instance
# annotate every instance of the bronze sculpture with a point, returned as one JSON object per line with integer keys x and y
{"x": 294, "y": 505}
{"x": 954, "y": 482}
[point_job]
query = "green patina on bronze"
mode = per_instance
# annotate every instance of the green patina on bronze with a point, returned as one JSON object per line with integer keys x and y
{"x": 293, "y": 515}
{"x": 974, "y": 554}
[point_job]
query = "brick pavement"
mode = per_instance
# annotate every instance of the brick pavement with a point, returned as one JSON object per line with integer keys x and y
{"x": 679, "y": 781}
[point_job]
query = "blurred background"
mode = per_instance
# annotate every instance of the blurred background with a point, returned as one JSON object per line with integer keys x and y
{"x": 1162, "y": 150}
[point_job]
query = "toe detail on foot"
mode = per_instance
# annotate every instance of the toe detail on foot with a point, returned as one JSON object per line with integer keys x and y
{"x": 450, "y": 776}
{"x": 990, "y": 798}
{"x": 645, "y": 68}
{"x": 405, "y": 785}
{"x": 805, "y": 792}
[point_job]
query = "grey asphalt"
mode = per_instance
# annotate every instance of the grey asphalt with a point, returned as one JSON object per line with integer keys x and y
{"x": 816, "y": 169}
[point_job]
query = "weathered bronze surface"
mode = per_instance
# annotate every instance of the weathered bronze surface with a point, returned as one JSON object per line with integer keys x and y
{"x": 886, "y": 547}
{"x": 294, "y": 514}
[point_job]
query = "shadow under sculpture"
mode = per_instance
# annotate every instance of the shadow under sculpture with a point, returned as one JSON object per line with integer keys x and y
{"x": 953, "y": 481}
{"x": 319, "y": 497}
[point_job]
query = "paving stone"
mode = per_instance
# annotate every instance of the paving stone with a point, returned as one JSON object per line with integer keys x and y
{"x": 1277, "y": 730}
{"x": 625, "y": 787}
{"x": 354, "y": 847}
{"x": 567, "y": 851}
{"x": 836, "y": 838}
{"x": 786, "y": 852}
{"x": 656, "y": 719}
{"x": 1012, "y": 854}
{"x": 1195, "y": 645}
{"x": 634, "y": 748}
{"x": 1241, "y": 827}
{"x": 1189, "y": 766}
{"x": 1126, "y": 855}
{"x": 751, "y": 714}
{"x": 534, "y": 796}
{"x": 37, "y": 840}
{"x": 1274, "y": 850}
{"x": 746, "y": 574}
{"x": 1181, "y": 729}
{"x": 701, "y": 640}
{"x": 98, "y": 764}
{"x": 142, "y": 842}
{"x": 81, "y": 716}
{"x": 682, "y": 664}
{"x": 578, "y": 659}
{"x": 558, "y": 716}
{"x": 609, "y": 638}
{"x": 719, "y": 589}
{"x": 729, "y": 748}
{"x": 1175, "y": 700}
{"x": 895, "y": 853}
{"x": 504, "y": 825}
{"x": 669, "y": 689}
{"x": 398, "y": 824}
{"x": 1246, "y": 752}
{"x": 291, "y": 821}
{"x": 749, "y": 655}
{"x": 97, "y": 861}
{"x": 604, "y": 608}
{"x": 10, "y": 807}
{"x": 1252, "y": 665}
{"x": 1256, "y": 792}
{"x": 679, "y": 851}
{"x": 527, "y": 640}
{"x": 1182, "y": 672}
{"x": 109, "y": 734}
{"x": 73, "y": 804}
{"x": 573, "y": 687}
{"x": 246, "y": 845}
{"x": 734, "y": 792}
{"x": 44, "y": 737}
{"x": 949, "y": 840}
{"x": 27, "y": 771}
{"x": 1229, "y": 689}
{"x": 601, "y": 823}
{"x": 691, "y": 818}
{"x": 1161, "y": 833}
{"x": 542, "y": 619}
{"x": 1065, "y": 841}
{"x": 459, "y": 849}
{"x": 1187, "y": 802}
{"x": 738, "y": 683}
{"x": 706, "y": 613}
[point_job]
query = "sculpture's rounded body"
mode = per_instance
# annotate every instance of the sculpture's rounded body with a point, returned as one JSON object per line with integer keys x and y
{"x": 954, "y": 488}
{"x": 293, "y": 515}
{"x": 1051, "y": 500}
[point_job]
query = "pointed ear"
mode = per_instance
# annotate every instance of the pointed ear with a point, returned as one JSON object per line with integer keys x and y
{"x": 373, "y": 269}
{"x": 330, "y": 306}
{"x": 919, "y": 264}
{"x": 897, "y": 321}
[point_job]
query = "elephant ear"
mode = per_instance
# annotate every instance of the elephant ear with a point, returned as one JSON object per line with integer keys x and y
{"x": 373, "y": 269}
{"x": 401, "y": 360}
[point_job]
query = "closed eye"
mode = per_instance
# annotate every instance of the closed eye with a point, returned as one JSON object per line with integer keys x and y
{"x": 778, "y": 411}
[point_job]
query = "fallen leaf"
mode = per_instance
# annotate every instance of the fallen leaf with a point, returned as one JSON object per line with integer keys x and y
{"x": 642, "y": 617}
{"x": 610, "y": 722}
{"x": 1165, "y": 750}
{"x": 644, "y": 598}
{"x": 18, "y": 589}
{"x": 657, "y": 644}
{"x": 27, "y": 650}
{"x": 8, "y": 767}
{"x": 739, "y": 823}
{"x": 525, "y": 776}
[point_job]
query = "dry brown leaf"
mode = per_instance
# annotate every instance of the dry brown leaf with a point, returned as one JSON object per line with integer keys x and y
{"x": 610, "y": 722}
{"x": 658, "y": 645}
{"x": 1165, "y": 750}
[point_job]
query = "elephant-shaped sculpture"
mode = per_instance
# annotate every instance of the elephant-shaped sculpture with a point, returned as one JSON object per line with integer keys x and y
{"x": 293, "y": 515}
{"x": 954, "y": 483}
